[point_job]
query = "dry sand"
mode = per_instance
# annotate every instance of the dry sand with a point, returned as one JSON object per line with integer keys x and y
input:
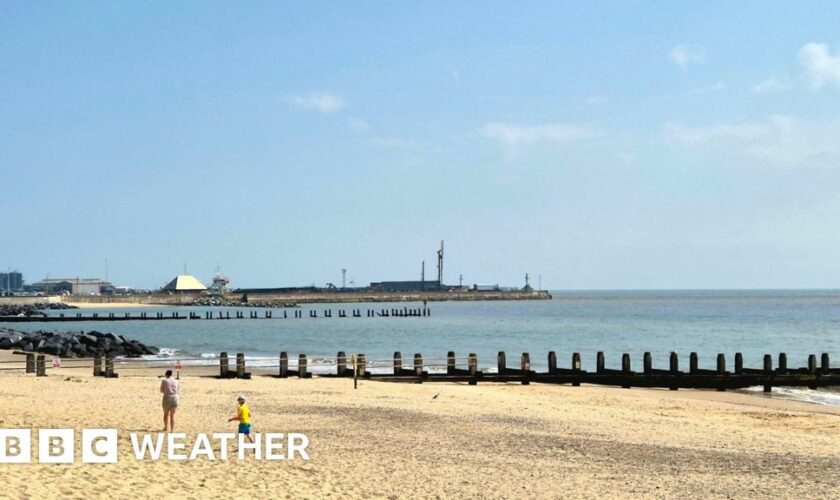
{"x": 387, "y": 440}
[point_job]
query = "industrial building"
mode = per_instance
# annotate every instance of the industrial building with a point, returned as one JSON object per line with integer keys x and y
{"x": 73, "y": 286}
{"x": 11, "y": 282}
{"x": 405, "y": 286}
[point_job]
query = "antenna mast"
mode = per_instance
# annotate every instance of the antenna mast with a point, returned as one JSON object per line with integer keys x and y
{"x": 440, "y": 264}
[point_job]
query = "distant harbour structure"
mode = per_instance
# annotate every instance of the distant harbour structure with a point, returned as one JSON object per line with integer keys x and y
{"x": 73, "y": 286}
{"x": 11, "y": 281}
{"x": 184, "y": 283}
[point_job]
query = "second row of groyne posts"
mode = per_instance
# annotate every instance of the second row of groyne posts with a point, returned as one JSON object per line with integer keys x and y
{"x": 393, "y": 312}
{"x": 812, "y": 375}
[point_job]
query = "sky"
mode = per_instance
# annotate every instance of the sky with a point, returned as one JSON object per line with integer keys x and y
{"x": 593, "y": 145}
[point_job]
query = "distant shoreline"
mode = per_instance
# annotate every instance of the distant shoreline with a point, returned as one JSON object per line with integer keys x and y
{"x": 278, "y": 299}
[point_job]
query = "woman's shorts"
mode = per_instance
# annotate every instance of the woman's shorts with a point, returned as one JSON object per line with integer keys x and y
{"x": 170, "y": 402}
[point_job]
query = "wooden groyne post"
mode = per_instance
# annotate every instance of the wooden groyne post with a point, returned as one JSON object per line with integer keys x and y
{"x": 397, "y": 363}
{"x": 526, "y": 368}
{"x": 472, "y": 366}
{"x": 302, "y": 363}
{"x": 768, "y": 372}
{"x": 240, "y": 365}
{"x": 224, "y": 365}
{"x": 109, "y": 366}
{"x": 40, "y": 366}
{"x": 284, "y": 365}
{"x": 97, "y": 364}
{"x": 674, "y": 368}
{"x": 341, "y": 364}
{"x": 30, "y": 363}
{"x": 721, "y": 372}
{"x": 625, "y": 370}
{"x": 576, "y": 371}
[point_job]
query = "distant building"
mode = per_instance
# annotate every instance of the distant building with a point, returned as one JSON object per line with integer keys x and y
{"x": 73, "y": 286}
{"x": 486, "y": 288}
{"x": 184, "y": 283}
{"x": 11, "y": 282}
{"x": 406, "y": 286}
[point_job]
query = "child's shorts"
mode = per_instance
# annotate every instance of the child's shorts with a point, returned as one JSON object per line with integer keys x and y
{"x": 245, "y": 429}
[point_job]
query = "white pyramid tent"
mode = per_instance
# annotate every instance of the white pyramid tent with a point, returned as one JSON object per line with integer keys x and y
{"x": 184, "y": 283}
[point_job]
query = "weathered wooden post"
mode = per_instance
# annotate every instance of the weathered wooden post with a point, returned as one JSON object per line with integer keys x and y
{"x": 240, "y": 365}
{"x": 552, "y": 362}
{"x": 721, "y": 371}
{"x": 526, "y": 368}
{"x": 824, "y": 362}
{"x": 361, "y": 362}
{"x": 576, "y": 369}
{"x": 625, "y": 369}
{"x": 501, "y": 362}
{"x": 450, "y": 363}
{"x": 40, "y": 366}
{"x": 812, "y": 368}
{"x": 782, "y": 362}
{"x": 599, "y": 362}
{"x": 302, "y": 362}
{"x": 674, "y": 368}
{"x": 224, "y": 366}
{"x": 397, "y": 362}
{"x": 97, "y": 364}
{"x": 418, "y": 367}
{"x": 30, "y": 363}
{"x": 768, "y": 372}
{"x": 284, "y": 365}
{"x": 341, "y": 364}
{"x": 472, "y": 365}
{"x": 109, "y": 366}
{"x": 739, "y": 363}
{"x": 648, "y": 364}
{"x": 692, "y": 363}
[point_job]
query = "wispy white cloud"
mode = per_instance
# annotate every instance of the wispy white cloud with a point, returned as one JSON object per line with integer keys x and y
{"x": 779, "y": 141}
{"x": 686, "y": 55}
{"x": 772, "y": 85}
{"x": 517, "y": 136}
{"x": 818, "y": 66}
{"x": 366, "y": 131}
{"x": 317, "y": 101}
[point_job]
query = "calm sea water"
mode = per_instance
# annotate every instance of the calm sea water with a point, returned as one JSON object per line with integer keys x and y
{"x": 798, "y": 323}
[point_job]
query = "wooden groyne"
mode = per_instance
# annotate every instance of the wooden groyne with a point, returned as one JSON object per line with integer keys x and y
{"x": 816, "y": 373}
{"x": 393, "y": 312}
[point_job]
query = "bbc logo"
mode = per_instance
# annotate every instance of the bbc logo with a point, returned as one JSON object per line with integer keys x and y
{"x": 58, "y": 446}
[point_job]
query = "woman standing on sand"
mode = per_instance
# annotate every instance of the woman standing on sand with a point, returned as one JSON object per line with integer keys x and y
{"x": 170, "y": 389}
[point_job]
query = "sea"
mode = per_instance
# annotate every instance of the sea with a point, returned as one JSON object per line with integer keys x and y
{"x": 752, "y": 322}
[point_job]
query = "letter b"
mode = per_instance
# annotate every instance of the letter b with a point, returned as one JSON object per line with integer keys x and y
{"x": 15, "y": 446}
{"x": 55, "y": 446}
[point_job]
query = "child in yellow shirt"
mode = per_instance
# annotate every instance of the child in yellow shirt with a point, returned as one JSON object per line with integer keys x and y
{"x": 243, "y": 415}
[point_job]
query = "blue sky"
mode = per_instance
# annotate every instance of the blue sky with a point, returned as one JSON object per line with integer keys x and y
{"x": 597, "y": 144}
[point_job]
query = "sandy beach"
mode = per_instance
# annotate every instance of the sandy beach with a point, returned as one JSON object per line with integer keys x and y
{"x": 435, "y": 440}
{"x": 111, "y": 305}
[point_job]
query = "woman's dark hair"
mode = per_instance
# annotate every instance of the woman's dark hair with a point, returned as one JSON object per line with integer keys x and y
{"x": 168, "y": 373}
